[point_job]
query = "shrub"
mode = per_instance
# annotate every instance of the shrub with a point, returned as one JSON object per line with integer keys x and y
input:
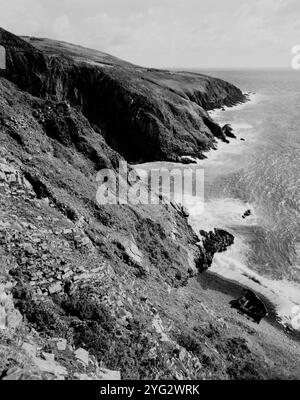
{"x": 44, "y": 316}
{"x": 83, "y": 306}
{"x": 189, "y": 342}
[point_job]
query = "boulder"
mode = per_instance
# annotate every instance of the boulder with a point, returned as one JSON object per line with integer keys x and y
{"x": 108, "y": 375}
{"x": 55, "y": 288}
{"x": 247, "y": 213}
{"x": 82, "y": 355}
{"x": 181, "y": 209}
{"x": 61, "y": 344}
{"x": 2, "y": 318}
{"x": 213, "y": 242}
{"x": 50, "y": 366}
{"x": 131, "y": 249}
{"x": 28, "y": 248}
{"x": 187, "y": 160}
{"x": 134, "y": 253}
{"x": 29, "y": 348}
{"x": 228, "y": 131}
{"x": 13, "y": 319}
{"x": 48, "y": 356}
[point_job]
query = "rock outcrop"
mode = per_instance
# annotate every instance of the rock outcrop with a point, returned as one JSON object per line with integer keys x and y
{"x": 144, "y": 114}
{"x": 213, "y": 242}
{"x": 228, "y": 131}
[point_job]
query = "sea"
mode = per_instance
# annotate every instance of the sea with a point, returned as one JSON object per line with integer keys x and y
{"x": 262, "y": 174}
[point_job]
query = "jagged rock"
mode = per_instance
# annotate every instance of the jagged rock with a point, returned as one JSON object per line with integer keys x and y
{"x": 85, "y": 241}
{"x": 187, "y": 160}
{"x": 83, "y": 377}
{"x": 68, "y": 274}
{"x": 29, "y": 348}
{"x": 48, "y": 356}
{"x": 213, "y": 242}
{"x": 10, "y": 318}
{"x": 145, "y": 98}
{"x": 59, "y": 148}
{"x": 81, "y": 222}
{"x": 82, "y": 355}
{"x": 131, "y": 250}
{"x": 181, "y": 209}
{"x": 182, "y": 354}
{"x": 13, "y": 319}
{"x": 51, "y": 366}
{"x": 108, "y": 375}
{"x": 247, "y": 213}
{"x": 2, "y": 318}
{"x": 192, "y": 269}
{"x": 7, "y": 170}
{"x": 61, "y": 344}
{"x": 55, "y": 288}
{"x": 13, "y": 374}
{"x": 28, "y": 248}
{"x": 228, "y": 131}
{"x": 134, "y": 252}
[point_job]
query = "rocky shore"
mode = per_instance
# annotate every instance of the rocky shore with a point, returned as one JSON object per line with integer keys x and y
{"x": 90, "y": 291}
{"x": 212, "y": 243}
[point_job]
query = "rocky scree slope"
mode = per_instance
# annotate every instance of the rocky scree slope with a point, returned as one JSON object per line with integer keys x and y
{"x": 90, "y": 291}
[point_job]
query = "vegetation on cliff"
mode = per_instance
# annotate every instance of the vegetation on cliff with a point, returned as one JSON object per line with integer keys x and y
{"x": 144, "y": 114}
{"x": 85, "y": 287}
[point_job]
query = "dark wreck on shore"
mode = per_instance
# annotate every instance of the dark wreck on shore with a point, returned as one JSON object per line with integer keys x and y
{"x": 251, "y": 305}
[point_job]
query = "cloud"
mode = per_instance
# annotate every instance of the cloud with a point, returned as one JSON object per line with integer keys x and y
{"x": 62, "y": 28}
{"x": 22, "y": 16}
{"x": 190, "y": 33}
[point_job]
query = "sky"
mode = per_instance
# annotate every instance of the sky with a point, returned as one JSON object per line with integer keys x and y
{"x": 167, "y": 33}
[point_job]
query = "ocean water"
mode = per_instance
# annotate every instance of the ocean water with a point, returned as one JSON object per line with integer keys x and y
{"x": 261, "y": 173}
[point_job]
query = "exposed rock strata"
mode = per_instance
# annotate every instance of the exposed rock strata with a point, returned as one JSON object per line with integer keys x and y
{"x": 102, "y": 290}
{"x": 144, "y": 114}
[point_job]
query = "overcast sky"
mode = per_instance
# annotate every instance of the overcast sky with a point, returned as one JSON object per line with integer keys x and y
{"x": 167, "y": 33}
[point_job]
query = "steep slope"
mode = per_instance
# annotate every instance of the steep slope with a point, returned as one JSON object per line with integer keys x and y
{"x": 85, "y": 286}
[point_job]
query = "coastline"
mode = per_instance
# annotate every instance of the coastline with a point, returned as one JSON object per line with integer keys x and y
{"x": 278, "y": 295}
{"x": 233, "y": 289}
{"x": 121, "y": 283}
{"x": 218, "y": 116}
{"x": 223, "y": 213}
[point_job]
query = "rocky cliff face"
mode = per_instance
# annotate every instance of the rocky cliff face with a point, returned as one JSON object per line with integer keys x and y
{"x": 212, "y": 243}
{"x": 144, "y": 114}
{"x": 86, "y": 287}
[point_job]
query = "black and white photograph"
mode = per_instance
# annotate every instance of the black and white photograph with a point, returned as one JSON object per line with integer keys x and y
{"x": 149, "y": 195}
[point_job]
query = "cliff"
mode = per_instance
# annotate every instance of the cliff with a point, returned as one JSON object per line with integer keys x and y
{"x": 144, "y": 114}
{"x": 90, "y": 291}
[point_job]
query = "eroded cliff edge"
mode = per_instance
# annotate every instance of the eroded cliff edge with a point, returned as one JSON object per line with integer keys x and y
{"x": 86, "y": 287}
{"x": 144, "y": 114}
